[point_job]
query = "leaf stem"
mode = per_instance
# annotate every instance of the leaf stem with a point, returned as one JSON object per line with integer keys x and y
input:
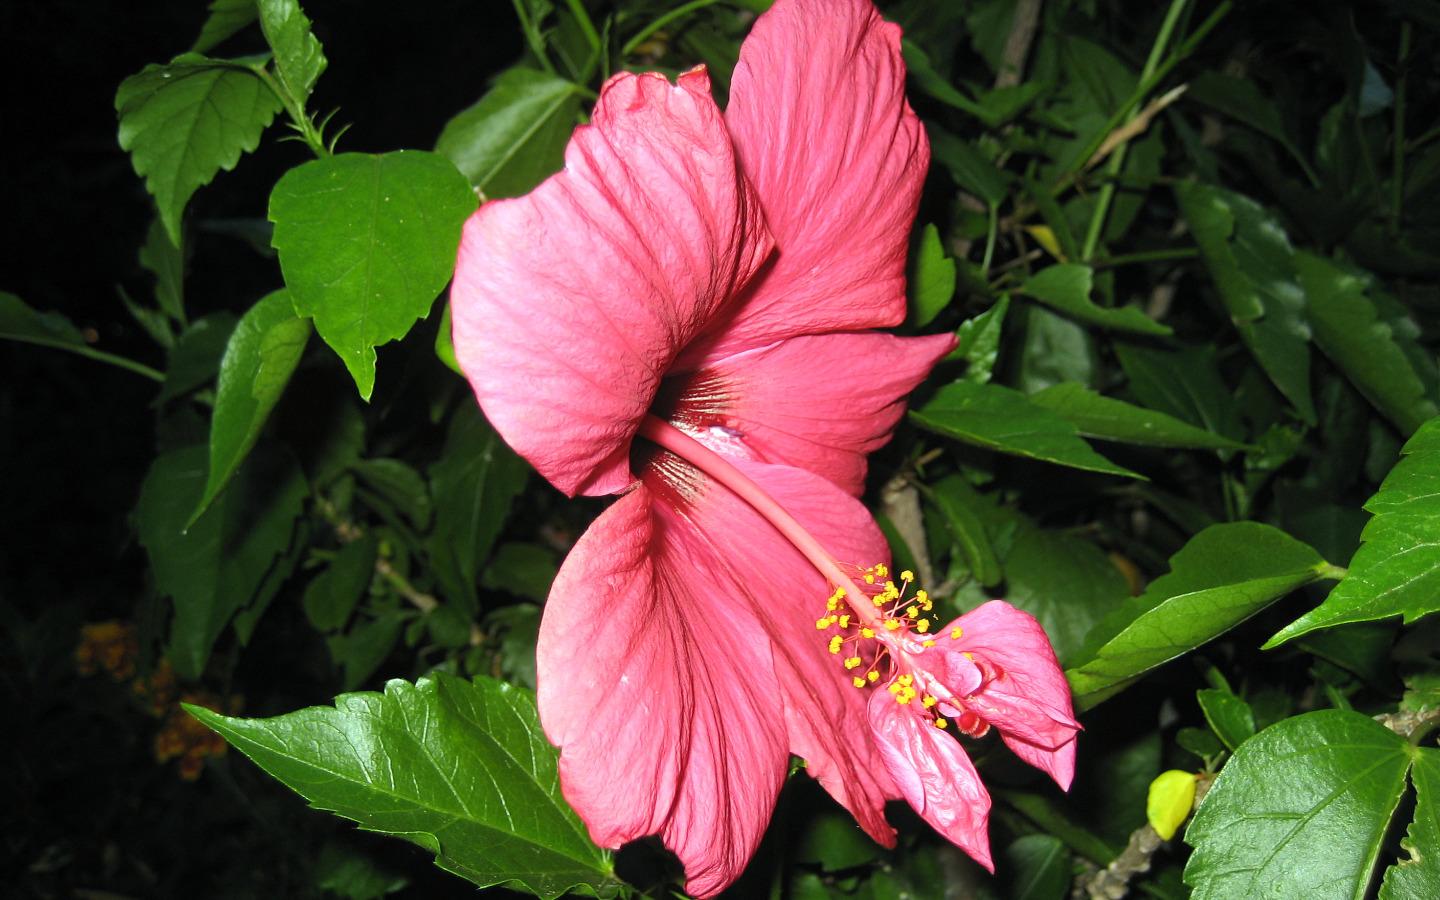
{"x": 298, "y": 118}
{"x": 533, "y": 37}
{"x": 592, "y": 37}
{"x": 661, "y": 22}
{"x": 100, "y": 355}
{"x": 1117, "y": 157}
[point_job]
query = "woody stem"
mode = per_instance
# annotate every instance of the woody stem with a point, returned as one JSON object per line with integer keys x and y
{"x": 720, "y": 469}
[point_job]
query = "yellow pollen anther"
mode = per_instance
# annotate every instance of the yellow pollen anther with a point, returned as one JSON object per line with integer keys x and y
{"x": 878, "y": 600}
{"x": 907, "y": 575}
{"x": 955, "y": 633}
{"x": 834, "y": 619}
{"x": 822, "y": 624}
{"x": 852, "y": 662}
{"x": 872, "y": 676}
{"x": 894, "y": 688}
{"x": 845, "y": 621}
{"x": 941, "y": 723}
{"x": 892, "y": 624}
{"x": 929, "y": 643}
{"x": 912, "y": 612}
{"x": 922, "y": 626}
{"x": 869, "y": 578}
{"x": 835, "y": 644}
{"x": 906, "y": 680}
{"x": 882, "y": 570}
{"x": 929, "y": 701}
{"x": 859, "y": 682}
{"x": 867, "y": 632}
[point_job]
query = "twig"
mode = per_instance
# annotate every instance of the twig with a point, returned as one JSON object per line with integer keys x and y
{"x": 1113, "y": 882}
{"x": 1017, "y": 45}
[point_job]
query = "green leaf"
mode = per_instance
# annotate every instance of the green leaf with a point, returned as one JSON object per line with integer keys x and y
{"x": 366, "y": 243}
{"x": 997, "y": 418}
{"x": 185, "y": 121}
{"x": 333, "y": 594}
{"x": 1096, "y": 416}
{"x": 1396, "y": 571}
{"x": 19, "y": 322}
{"x": 165, "y": 259}
{"x": 1062, "y": 579}
{"x": 525, "y": 570}
{"x": 195, "y": 359}
{"x": 399, "y": 486}
{"x": 1228, "y": 715}
{"x": 1418, "y": 877}
{"x": 226, "y": 18}
{"x": 216, "y": 567}
{"x": 515, "y": 137}
{"x": 460, "y": 768}
{"x": 970, "y": 169}
{"x": 365, "y": 647}
{"x": 1184, "y": 383}
{"x": 1222, "y": 576}
{"x": 1042, "y": 866}
{"x": 979, "y": 341}
{"x": 1066, "y": 288}
{"x": 1241, "y": 99}
{"x": 1252, "y": 263}
{"x": 958, "y": 503}
{"x": 934, "y": 281}
{"x": 299, "y": 59}
{"x": 476, "y": 479}
{"x": 259, "y": 359}
{"x": 1349, "y": 330}
{"x": 1299, "y": 811}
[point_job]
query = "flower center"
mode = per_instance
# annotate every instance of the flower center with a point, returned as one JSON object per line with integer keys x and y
{"x": 885, "y": 631}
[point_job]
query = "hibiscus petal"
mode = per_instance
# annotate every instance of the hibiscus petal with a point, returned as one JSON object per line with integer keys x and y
{"x": 825, "y": 714}
{"x": 818, "y": 114}
{"x": 1030, "y": 702}
{"x": 820, "y": 402}
{"x": 934, "y": 774}
{"x": 655, "y": 681}
{"x": 570, "y": 303}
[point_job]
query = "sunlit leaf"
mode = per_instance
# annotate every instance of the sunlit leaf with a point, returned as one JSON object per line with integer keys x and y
{"x": 185, "y": 121}
{"x": 1224, "y": 575}
{"x": 998, "y": 418}
{"x": 260, "y": 357}
{"x": 979, "y": 341}
{"x": 1097, "y": 416}
{"x": 515, "y": 137}
{"x": 1066, "y": 288}
{"x": 1417, "y": 875}
{"x": 366, "y": 243}
{"x": 934, "y": 281}
{"x": 1299, "y": 811}
{"x": 299, "y": 59}
{"x": 1396, "y": 571}
{"x": 468, "y": 775}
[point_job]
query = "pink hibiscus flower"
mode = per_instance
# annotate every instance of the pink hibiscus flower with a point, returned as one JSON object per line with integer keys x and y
{"x": 708, "y": 284}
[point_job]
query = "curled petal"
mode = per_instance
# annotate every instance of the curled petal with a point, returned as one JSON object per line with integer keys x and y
{"x": 934, "y": 775}
{"x": 819, "y": 402}
{"x": 822, "y": 128}
{"x": 1029, "y": 702}
{"x": 570, "y": 303}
